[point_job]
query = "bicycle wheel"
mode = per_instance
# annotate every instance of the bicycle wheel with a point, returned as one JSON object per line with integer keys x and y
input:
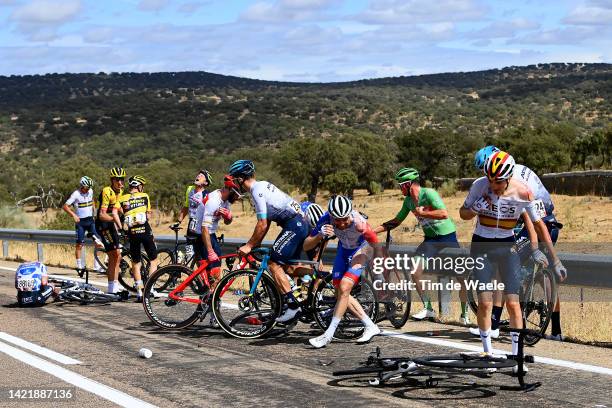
{"x": 324, "y": 302}
{"x": 242, "y": 314}
{"x": 165, "y": 257}
{"x": 101, "y": 258}
{"x": 397, "y": 301}
{"x": 126, "y": 279}
{"x": 87, "y": 296}
{"x": 538, "y": 298}
{"x": 472, "y": 295}
{"x": 169, "y": 313}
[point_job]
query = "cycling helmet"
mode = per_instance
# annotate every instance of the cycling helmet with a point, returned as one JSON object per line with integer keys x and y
{"x": 314, "y": 212}
{"x": 482, "y": 155}
{"x": 242, "y": 168}
{"x": 339, "y": 206}
{"x": 499, "y": 166}
{"x": 207, "y": 178}
{"x": 406, "y": 174}
{"x": 86, "y": 182}
{"x": 117, "y": 172}
{"x": 136, "y": 181}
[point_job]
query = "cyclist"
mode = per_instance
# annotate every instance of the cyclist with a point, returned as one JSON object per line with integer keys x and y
{"x": 81, "y": 201}
{"x": 108, "y": 224}
{"x": 32, "y": 284}
{"x": 439, "y": 229}
{"x": 273, "y": 205}
{"x": 498, "y": 200}
{"x": 357, "y": 245}
{"x": 547, "y": 233}
{"x": 136, "y": 207}
{"x": 216, "y": 206}
{"x": 194, "y": 195}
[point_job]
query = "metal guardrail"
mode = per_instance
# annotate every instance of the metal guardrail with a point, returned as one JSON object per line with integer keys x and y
{"x": 584, "y": 269}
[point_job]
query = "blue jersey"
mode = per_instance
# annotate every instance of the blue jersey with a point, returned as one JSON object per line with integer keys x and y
{"x": 29, "y": 276}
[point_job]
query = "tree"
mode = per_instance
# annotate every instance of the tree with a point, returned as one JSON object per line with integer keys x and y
{"x": 341, "y": 182}
{"x": 430, "y": 151}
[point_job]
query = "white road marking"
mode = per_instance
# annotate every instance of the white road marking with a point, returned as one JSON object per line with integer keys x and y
{"x": 469, "y": 347}
{"x": 53, "y": 355}
{"x": 104, "y": 391}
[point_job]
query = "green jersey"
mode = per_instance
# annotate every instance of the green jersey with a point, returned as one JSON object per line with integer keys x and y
{"x": 431, "y": 200}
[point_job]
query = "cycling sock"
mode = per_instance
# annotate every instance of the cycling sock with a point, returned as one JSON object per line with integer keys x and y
{"x": 429, "y": 306}
{"x": 116, "y": 287}
{"x": 496, "y": 316}
{"x": 367, "y": 321}
{"x": 138, "y": 283}
{"x": 111, "y": 287}
{"x": 331, "y": 330}
{"x": 515, "y": 339}
{"x": 79, "y": 263}
{"x": 485, "y": 337}
{"x": 555, "y": 318}
{"x": 463, "y": 309}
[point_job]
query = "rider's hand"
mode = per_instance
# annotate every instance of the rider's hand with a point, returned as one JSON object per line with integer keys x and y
{"x": 212, "y": 256}
{"x": 539, "y": 257}
{"x": 76, "y": 218}
{"x": 418, "y": 211}
{"x": 327, "y": 231}
{"x": 560, "y": 271}
{"x": 224, "y": 213}
{"x": 480, "y": 205}
{"x": 244, "y": 250}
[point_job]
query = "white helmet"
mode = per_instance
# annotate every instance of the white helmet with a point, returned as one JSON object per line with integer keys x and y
{"x": 86, "y": 182}
{"x": 314, "y": 212}
{"x": 499, "y": 166}
{"x": 339, "y": 206}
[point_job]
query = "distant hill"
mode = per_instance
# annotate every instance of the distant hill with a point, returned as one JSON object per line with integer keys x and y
{"x": 142, "y": 119}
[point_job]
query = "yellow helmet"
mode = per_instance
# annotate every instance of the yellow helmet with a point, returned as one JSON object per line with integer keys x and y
{"x": 136, "y": 181}
{"x": 117, "y": 172}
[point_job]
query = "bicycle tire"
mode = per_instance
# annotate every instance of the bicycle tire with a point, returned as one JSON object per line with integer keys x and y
{"x": 359, "y": 371}
{"x": 167, "y": 313}
{"x": 242, "y": 315}
{"x": 538, "y": 312}
{"x": 101, "y": 258}
{"x": 397, "y": 308}
{"x": 324, "y": 302}
{"x": 457, "y": 361}
{"x": 165, "y": 257}
{"x": 125, "y": 271}
{"x": 472, "y": 295}
{"x": 89, "y": 296}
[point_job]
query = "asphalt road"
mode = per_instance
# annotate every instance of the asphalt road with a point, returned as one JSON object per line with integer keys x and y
{"x": 202, "y": 367}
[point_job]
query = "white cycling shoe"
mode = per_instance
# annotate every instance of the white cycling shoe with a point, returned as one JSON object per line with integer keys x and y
{"x": 465, "y": 320}
{"x": 288, "y": 314}
{"x": 321, "y": 341}
{"x": 476, "y": 332}
{"x": 424, "y": 314}
{"x": 556, "y": 337}
{"x": 369, "y": 332}
{"x": 213, "y": 322}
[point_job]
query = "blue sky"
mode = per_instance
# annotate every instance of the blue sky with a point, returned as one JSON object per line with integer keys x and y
{"x": 299, "y": 40}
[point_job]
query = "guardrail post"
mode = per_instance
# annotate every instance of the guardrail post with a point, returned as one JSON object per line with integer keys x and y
{"x": 5, "y": 249}
{"x": 41, "y": 256}
{"x": 444, "y": 295}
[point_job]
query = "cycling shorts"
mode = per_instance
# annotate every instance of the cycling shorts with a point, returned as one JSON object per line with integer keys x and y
{"x": 496, "y": 251}
{"x": 84, "y": 225}
{"x": 431, "y": 246}
{"x": 36, "y": 297}
{"x": 201, "y": 252}
{"x": 344, "y": 258}
{"x": 147, "y": 241}
{"x": 108, "y": 235}
{"x": 288, "y": 244}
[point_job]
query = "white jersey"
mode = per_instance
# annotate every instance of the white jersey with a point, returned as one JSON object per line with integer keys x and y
{"x": 352, "y": 237}
{"x": 82, "y": 203}
{"x": 527, "y": 176}
{"x": 272, "y": 204}
{"x": 205, "y": 214}
{"x": 500, "y": 216}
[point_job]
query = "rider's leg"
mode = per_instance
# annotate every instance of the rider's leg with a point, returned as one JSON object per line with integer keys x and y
{"x": 114, "y": 256}
{"x": 510, "y": 268}
{"x": 498, "y": 307}
{"x": 77, "y": 254}
{"x": 483, "y": 317}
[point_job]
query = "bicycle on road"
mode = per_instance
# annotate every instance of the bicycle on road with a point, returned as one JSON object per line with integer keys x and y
{"x": 180, "y": 254}
{"x": 84, "y": 292}
{"x": 246, "y": 302}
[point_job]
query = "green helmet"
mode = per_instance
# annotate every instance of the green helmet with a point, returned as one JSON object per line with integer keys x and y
{"x": 406, "y": 174}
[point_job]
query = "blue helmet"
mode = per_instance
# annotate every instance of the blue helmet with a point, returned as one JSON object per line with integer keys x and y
{"x": 482, "y": 155}
{"x": 242, "y": 168}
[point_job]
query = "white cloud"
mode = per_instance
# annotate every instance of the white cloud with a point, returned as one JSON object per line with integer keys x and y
{"x": 286, "y": 10}
{"x": 98, "y": 35}
{"x": 191, "y": 6}
{"x": 420, "y": 11}
{"x": 46, "y": 11}
{"x": 503, "y": 29}
{"x": 590, "y": 15}
{"x": 152, "y": 5}
{"x": 559, "y": 36}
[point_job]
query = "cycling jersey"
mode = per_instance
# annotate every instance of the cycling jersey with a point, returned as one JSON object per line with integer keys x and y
{"x": 30, "y": 282}
{"x": 499, "y": 217}
{"x": 108, "y": 199}
{"x": 271, "y": 203}
{"x": 527, "y": 176}
{"x": 351, "y": 237}
{"x": 135, "y": 207}
{"x": 206, "y": 213}
{"x": 193, "y": 198}
{"x": 82, "y": 203}
{"x": 430, "y": 199}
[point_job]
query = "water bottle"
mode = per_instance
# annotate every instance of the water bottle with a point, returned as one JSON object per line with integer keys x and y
{"x": 305, "y": 284}
{"x": 180, "y": 257}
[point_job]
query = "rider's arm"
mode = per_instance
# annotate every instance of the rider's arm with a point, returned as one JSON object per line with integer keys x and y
{"x": 68, "y": 209}
{"x": 316, "y": 235}
{"x": 116, "y": 219}
{"x": 533, "y": 236}
{"x": 206, "y": 237}
{"x": 397, "y": 220}
{"x": 475, "y": 193}
{"x": 438, "y": 209}
{"x": 466, "y": 213}
{"x": 261, "y": 229}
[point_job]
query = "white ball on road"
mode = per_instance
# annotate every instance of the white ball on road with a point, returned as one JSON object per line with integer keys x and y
{"x": 145, "y": 353}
